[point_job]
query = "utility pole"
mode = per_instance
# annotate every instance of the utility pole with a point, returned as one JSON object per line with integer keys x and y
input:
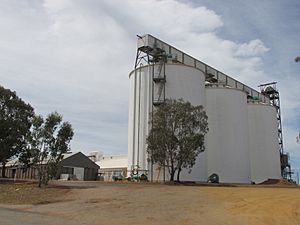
{"x": 297, "y": 59}
{"x": 298, "y": 141}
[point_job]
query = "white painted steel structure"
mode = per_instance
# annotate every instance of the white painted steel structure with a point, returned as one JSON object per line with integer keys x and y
{"x": 182, "y": 81}
{"x": 149, "y": 42}
{"x": 140, "y": 100}
{"x": 263, "y": 142}
{"x": 227, "y": 140}
{"x": 235, "y": 139}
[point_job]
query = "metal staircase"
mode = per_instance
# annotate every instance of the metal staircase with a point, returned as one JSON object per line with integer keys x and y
{"x": 272, "y": 93}
{"x": 155, "y": 57}
{"x": 159, "y": 80}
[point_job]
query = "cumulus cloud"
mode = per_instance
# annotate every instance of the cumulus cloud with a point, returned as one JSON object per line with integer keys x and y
{"x": 54, "y": 6}
{"x": 253, "y": 48}
{"x": 75, "y": 57}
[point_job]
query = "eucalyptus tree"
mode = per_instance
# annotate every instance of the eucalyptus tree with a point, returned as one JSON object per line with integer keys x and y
{"x": 49, "y": 140}
{"x": 177, "y": 135}
{"x": 15, "y": 121}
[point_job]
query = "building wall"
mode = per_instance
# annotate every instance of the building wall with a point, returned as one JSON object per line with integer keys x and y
{"x": 77, "y": 161}
{"x": 233, "y": 150}
{"x": 113, "y": 165}
{"x": 263, "y": 140}
{"x": 20, "y": 173}
{"x": 227, "y": 142}
{"x": 107, "y": 174}
{"x": 83, "y": 167}
{"x": 90, "y": 174}
{"x": 185, "y": 82}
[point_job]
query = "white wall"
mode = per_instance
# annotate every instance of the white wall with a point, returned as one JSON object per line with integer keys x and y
{"x": 183, "y": 82}
{"x": 263, "y": 142}
{"x": 227, "y": 142}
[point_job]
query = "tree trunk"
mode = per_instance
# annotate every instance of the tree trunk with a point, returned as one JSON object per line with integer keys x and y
{"x": 178, "y": 174}
{"x": 39, "y": 175}
{"x": 172, "y": 175}
{"x": 40, "y": 181}
{"x": 3, "y": 169}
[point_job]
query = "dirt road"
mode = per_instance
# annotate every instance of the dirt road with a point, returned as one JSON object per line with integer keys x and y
{"x": 118, "y": 203}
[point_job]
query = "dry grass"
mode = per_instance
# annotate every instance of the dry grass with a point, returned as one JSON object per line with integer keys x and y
{"x": 28, "y": 193}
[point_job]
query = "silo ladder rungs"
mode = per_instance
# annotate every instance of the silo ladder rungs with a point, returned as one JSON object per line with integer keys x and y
{"x": 159, "y": 79}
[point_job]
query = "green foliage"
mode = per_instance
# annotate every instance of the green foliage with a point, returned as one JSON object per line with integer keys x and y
{"x": 177, "y": 135}
{"x": 49, "y": 140}
{"x": 15, "y": 122}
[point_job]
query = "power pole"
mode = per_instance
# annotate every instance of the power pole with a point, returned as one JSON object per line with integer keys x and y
{"x": 297, "y": 173}
{"x": 297, "y": 59}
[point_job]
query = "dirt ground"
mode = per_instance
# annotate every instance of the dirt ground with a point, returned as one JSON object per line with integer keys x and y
{"x": 29, "y": 193}
{"x": 143, "y": 204}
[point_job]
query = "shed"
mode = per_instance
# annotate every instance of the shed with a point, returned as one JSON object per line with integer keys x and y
{"x": 113, "y": 166}
{"x": 77, "y": 166}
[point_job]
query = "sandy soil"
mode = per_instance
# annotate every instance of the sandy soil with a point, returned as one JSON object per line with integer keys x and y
{"x": 119, "y": 203}
{"x": 260, "y": 205}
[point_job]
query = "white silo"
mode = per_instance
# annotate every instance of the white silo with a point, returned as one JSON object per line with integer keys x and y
{"x": 188, "y": 83}
{"x": 263, "y": 142}
{"x": 182, "y": 81}
{"x": 227, "y": 142}
{"x": 140, "y": 100}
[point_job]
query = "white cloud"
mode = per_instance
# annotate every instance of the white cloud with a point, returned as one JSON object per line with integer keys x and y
{"x": 253, "y": 48}
{"x": 54, "y": 6}
{"x": 167, "y": 16}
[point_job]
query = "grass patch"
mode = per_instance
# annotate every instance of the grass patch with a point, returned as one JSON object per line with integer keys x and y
{"x": 29, "y": 193}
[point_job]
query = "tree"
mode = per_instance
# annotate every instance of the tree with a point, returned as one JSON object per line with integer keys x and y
{"x": 177, "y": 135}
{"x": 15, "y": 122}
{"x": 49, "y": 140}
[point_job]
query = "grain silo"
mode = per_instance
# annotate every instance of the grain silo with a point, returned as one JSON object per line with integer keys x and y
{"x": 233, "y": 149}
{"x": 227, "y": 140}
{"x": 263, "y": 142}
{"x": 149, "y": 86}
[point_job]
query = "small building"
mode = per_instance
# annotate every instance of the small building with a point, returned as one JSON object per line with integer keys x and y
{"x": 77, "y": 166}
{"x": 112, "y": 166}
{"x": 13, "y": 169}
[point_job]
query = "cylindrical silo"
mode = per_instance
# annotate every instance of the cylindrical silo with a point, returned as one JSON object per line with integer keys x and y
{"x": 263, "y": 142}
{"x": 188, "y": 83}
{"x": 227, "y": 142}
{"x": 185, "y": 82}
{"x": 140, "y": 100}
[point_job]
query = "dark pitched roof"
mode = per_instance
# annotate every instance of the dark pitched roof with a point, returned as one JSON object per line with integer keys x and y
{"x": 79, "y": 160}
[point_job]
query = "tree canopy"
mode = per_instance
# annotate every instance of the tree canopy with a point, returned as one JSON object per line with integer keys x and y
{"x": 177, "y": 135}
{"x": 15, "y": 121}
{"x": 49, "y": 140}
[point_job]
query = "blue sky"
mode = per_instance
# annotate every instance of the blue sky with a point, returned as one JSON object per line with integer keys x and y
{"x": 75, "y": 56}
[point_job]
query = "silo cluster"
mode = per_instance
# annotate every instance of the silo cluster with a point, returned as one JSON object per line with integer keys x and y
{"x": 241, "y": 145}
